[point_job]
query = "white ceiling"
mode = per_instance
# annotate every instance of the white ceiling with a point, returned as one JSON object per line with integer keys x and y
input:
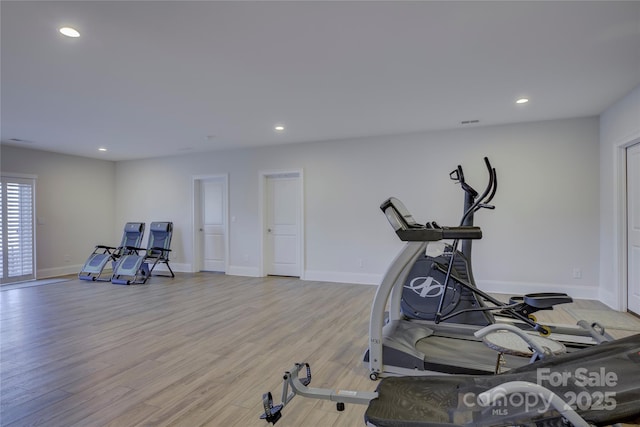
{"x": 156, "y": 78}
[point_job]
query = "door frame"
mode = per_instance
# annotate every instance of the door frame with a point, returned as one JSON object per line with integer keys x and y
{"x": 621, "y": 248}
{"x": 624, "y": 297}
{"x": 262, "y": 214}
{"x": 196, "y": 218}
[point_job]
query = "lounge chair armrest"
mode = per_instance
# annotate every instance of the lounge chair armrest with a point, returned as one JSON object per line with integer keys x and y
{"x": 156, "y": 252}
{"x": 105, "y": 247}
{"x": 130, "y": 249}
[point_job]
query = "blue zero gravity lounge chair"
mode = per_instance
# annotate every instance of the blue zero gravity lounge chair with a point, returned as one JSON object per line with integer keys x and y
{"x": 136, "y": 268}
{"x": 101, "y": 255}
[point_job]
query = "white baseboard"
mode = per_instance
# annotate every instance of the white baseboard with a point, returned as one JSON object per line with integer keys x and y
{"x": 343, "y": 277}
{"x": 46, "y": 273}
{"x": 236, "y": 270}
{"x": 177, "y": 268}
{"x": 522, "y": 288}
{"x": 610, "y": 299}
{"x": 503, "y": 287}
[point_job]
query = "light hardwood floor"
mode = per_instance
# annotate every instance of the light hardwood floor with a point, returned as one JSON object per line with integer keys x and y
{"x": 197, "y": 350}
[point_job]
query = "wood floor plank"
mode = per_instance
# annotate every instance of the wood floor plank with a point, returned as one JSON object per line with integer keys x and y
{"x": 14, "y": 413}
{"x": 72, "y": 409}
{"x": 197, "y": 350}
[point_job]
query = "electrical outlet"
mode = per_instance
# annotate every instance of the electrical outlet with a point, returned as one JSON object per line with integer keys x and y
{"x": 577, "y": 273}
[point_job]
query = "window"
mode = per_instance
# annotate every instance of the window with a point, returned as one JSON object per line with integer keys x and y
{"x": 17, "y": 231}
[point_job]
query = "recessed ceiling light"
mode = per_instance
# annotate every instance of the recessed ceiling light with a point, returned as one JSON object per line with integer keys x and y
{"x": 522, "y": 100}
{"x": 69, "y": 32}
{"x": 279, "y": 128}
{"x": 102, "y": 149}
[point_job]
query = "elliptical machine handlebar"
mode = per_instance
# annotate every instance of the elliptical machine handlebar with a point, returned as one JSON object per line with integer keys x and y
{"x": 458, "y": 176}
{"x": 492, "y": 171}
{"x": 485, "y": 203}
{"x": 475, "y": 203}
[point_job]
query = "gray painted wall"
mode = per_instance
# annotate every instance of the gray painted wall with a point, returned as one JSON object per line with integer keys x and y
{"x": 545, "y": 224}
{"x": 75, "y": 206}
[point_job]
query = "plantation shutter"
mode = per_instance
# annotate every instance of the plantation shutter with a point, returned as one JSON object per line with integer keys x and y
{"x": 17, "y": 231}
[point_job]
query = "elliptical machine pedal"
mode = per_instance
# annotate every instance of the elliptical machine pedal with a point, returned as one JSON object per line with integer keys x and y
{"x": 530, "y": 303}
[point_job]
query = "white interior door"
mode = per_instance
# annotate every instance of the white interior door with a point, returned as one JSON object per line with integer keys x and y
{"x": 633, "y": 228}
{"x": 282, "y": 251}
{"x": 213, "y": 224}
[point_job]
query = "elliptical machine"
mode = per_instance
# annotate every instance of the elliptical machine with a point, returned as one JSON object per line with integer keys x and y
{"x": 401, "y": 345}
{"x": 427, "y": 291}
{"x": 440, "y": 286}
